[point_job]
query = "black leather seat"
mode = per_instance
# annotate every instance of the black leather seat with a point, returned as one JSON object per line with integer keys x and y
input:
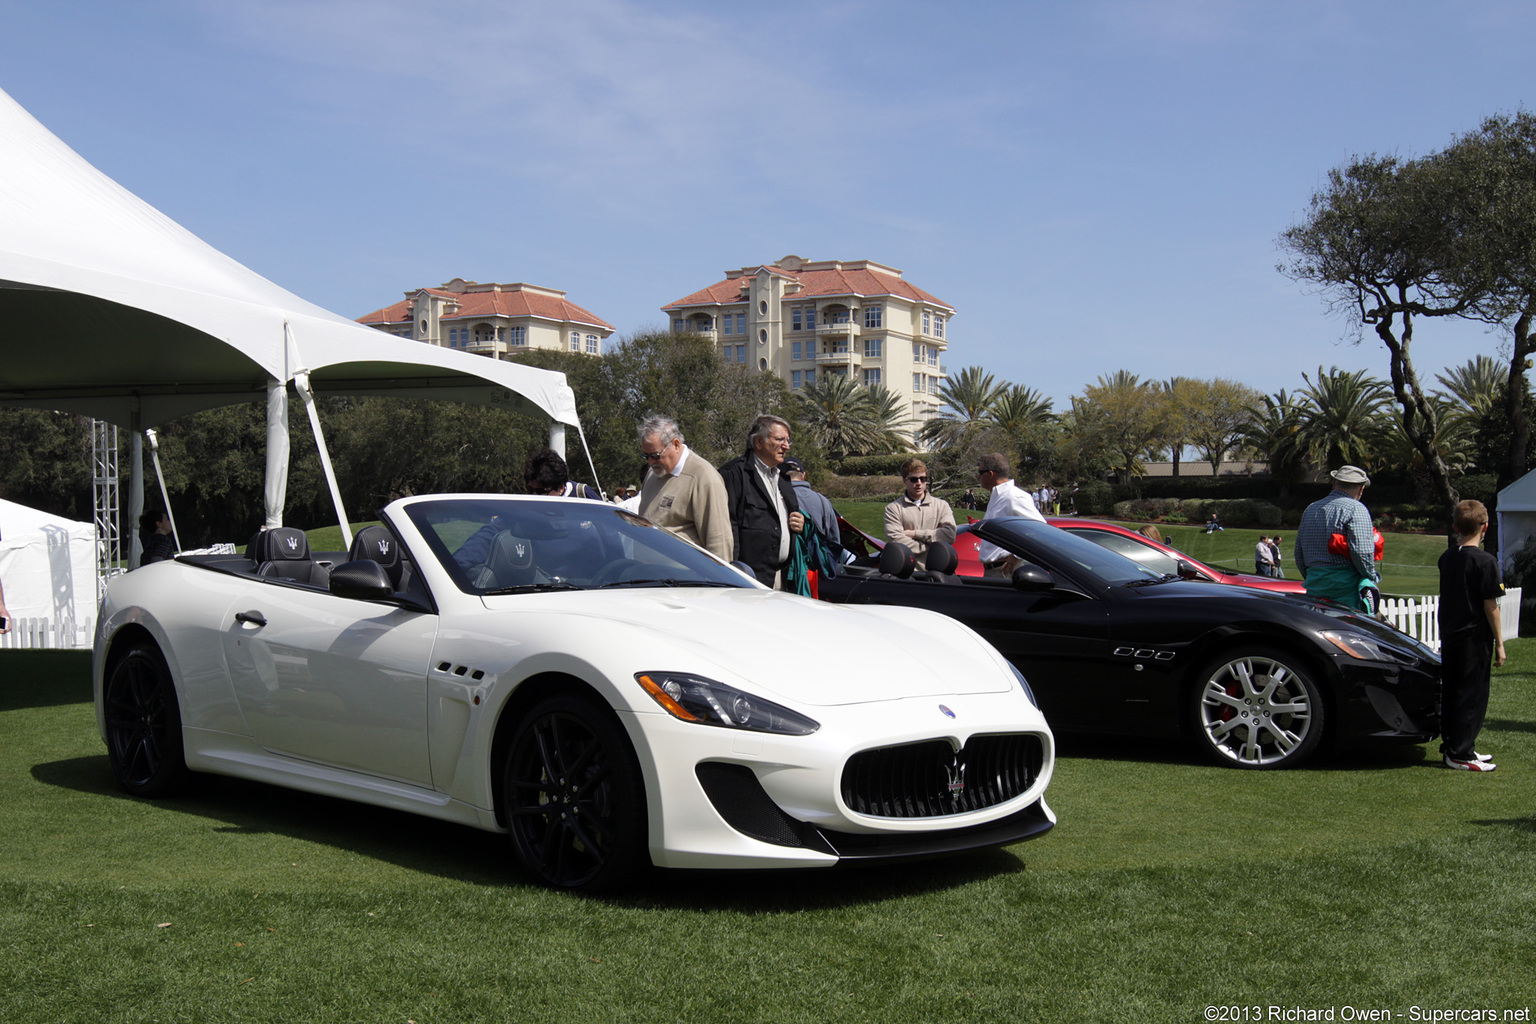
{"x": 940, "y": 563}
{"x": 377, "y": 544}
{"x": 897, "y": 560}
{"x": 283, "y": 553}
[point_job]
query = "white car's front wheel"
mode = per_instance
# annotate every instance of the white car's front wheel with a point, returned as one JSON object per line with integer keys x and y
{"x": 574, "y": 798}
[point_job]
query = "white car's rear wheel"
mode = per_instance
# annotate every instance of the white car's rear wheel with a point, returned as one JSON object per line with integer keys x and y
{"x": 574, "y": 798}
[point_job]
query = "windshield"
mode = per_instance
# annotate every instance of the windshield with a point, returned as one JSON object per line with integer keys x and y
{"x": 528, "y": 545}
{"x": 1059, "y": 550}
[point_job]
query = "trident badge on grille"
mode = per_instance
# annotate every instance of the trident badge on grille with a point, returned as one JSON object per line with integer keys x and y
{"x": 956, "y": 770}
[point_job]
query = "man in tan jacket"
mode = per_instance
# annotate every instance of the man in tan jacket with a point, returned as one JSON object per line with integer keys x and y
{"x": 683, "y": 493}
{"x": 917, "y": 518}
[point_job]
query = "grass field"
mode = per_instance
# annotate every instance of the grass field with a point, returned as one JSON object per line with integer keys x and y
{"x": 1408, "y": 569}
{"x": 1373, "y": 881}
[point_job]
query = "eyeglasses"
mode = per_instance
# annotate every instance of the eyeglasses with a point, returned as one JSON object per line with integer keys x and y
{"x": 917, "y": 479}
{"x": 653, "y": 456}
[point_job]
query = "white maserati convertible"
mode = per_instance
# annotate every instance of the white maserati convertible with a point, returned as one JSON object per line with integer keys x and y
{"x": 563, "y": 671}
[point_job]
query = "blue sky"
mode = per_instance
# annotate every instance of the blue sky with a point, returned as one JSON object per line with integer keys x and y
{"x": 1094, "y": 185}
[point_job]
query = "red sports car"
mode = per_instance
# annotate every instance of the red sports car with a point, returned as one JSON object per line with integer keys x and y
{"x": 1162, "y": 558}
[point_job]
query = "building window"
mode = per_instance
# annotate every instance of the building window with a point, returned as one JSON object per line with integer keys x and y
{"x": 591, "y": 344}
{"x": 933, "y": 385}
{"x": 762, "y": 307}
{"x": 933, "y": 355}
{"x": 917, "y": 382}
{"x": 453, "y": 337}
{"x": 741, "y": 323}
{"x": 938, "y": 326}
{"x": 725, "y": 324}
{"x": 741, "y": 354}
{"x": 677, "y": 326}
{"x": 762, "y": 337}
{"x": 927, "y": 322}
{"x": 795, "y": 379}
{"x": 794, "y": 320}
{"x": 795, "y": 350}
{"x": 871, "y": 377}
{"x": 873, "y": 347}
{"x": 575, "y": 342}
{"x": 517, "y": 335}
{"x": 810, "y": 376}
{"x": 873, "y": 316}
{"x": 810, "y": 350}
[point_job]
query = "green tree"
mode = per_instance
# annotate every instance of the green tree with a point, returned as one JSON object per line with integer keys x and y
{"x": 1343, "y": 418}
{"x": 849, "y": 419}
{"x": 1378, "y": 241}
{"x": 1128, "y": 417}
{"x": 967, "y": 399}
{"x": 1212, "y": 415}
{"x": 1274, "y": 431}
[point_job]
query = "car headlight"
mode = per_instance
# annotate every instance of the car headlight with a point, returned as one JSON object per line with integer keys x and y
{"x": 1358, "y": 645}
{"x": 1024, "y": 684}
{"x": 706, "y": 702}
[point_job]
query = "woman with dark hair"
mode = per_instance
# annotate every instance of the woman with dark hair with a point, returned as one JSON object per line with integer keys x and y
{"x": 155, "y": 536}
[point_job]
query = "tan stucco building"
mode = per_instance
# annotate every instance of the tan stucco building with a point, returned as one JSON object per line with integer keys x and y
{"x": 496, "y": 320}
{"x": 802, "y": 320}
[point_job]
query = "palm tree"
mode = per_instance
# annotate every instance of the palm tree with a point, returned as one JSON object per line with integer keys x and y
{"x": 1479, "y": 384}
{"x": 1274, "y": 432}
{"x": 967, "y": 397}
{"x": 890, "y": 420}
{"x": 836, "y": 411}
{"x": 1020, "y": 408}
{"x": 1342, "y": 420}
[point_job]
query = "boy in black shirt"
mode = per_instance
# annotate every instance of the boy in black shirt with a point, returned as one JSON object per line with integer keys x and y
{"x": 1471, "y": 639}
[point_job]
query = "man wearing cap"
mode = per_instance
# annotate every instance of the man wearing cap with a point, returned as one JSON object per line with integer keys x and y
{"x": 813, "y": 504}
{"x": 1335, "y": 547}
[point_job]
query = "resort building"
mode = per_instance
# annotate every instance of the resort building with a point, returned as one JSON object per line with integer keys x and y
{"x": 496, "y": 320}
{"x": 805, "y": 320}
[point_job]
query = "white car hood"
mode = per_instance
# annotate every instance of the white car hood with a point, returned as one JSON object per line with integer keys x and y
{"x": 808, "y": 651}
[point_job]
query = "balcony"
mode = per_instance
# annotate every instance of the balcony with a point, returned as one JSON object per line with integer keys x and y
{"x": 843, "y": 329}
{"x": 846, "y": 356}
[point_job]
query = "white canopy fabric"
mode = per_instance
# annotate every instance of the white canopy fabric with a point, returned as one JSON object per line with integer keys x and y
{"x": 48, "y": 568}
{"x": 110, "y": 309}
{"x": 1517, "y": 517}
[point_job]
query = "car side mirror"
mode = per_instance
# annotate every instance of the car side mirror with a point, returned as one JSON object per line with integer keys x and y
{"x": 1189, "y": 572}
{"x": 1030, "y": 576}
{"x": 363, "y": 580}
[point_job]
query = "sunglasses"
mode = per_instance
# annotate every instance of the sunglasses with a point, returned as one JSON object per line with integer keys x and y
{"x": 917, "y": 479}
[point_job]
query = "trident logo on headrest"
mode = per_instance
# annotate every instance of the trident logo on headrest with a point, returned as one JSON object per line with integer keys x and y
{"x": 384, "y": 547}
{"x": 292, "y": 542}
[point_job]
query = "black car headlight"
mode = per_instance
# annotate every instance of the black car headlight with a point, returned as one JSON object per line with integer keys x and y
{"x": 1024, "y": 684}
{"x": 1361, "y": 646}
{"x": 706, "y": 702}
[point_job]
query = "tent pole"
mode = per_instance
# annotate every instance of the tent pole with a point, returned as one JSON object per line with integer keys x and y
{"x": 276, "y": 492}
{"x": 165, "y": 496}
{"x": 301, "y": 382}
{"x": 595, "y": 481}
{"x": 135, "y": 490}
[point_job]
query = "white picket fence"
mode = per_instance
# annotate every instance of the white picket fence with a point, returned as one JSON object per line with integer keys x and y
{"x": 41, "y": 633}
{"x": 1419, "y": 617}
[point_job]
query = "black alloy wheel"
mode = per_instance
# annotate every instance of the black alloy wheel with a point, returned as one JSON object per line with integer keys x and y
{"x": 144, "y": 744}
{"x": 1257, "y": 708}
{"x": 574, "y": 798}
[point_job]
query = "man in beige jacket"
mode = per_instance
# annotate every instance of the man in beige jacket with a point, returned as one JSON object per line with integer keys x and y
{"x": 917, "y": 518}
{"x": 682, "y": 492}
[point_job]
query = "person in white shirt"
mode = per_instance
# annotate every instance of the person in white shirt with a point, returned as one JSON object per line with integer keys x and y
{"x": 1007, "y": 500}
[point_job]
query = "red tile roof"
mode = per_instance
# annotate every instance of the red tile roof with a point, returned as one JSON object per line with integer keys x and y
{"x": 836, "y": 281}
{"x": 508, "y": 301}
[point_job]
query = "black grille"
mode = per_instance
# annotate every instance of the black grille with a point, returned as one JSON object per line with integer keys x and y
{"x": 933, "y": 780}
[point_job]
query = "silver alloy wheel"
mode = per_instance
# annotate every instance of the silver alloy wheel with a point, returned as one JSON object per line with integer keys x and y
{"x": 1256, "y": 710}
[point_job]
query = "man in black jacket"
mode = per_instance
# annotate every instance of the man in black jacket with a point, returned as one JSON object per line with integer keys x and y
{"x": 764, "y": 511}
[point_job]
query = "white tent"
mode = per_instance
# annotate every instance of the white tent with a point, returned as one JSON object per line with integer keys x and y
{"x": 48, "y": 569}
{"x": 1517, "y": 518}
{"x": 111, "y": 309}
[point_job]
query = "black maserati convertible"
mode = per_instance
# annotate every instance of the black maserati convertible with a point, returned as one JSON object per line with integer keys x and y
{"x": 1111, "y": 646}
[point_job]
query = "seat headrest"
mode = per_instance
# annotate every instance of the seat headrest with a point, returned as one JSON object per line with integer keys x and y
{"x": 897, "y": 560}
{"x": 942, "y": 558}
{"x": 376, "y": 544}
{"x": 509, "y": 551}
{"x": 281, "y": 544}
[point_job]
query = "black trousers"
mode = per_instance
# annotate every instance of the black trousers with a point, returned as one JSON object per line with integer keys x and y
{"x": 1466, "y": 661}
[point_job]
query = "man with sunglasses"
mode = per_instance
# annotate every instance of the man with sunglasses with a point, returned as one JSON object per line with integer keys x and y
{"x": 682, "y": 492}
{"x": 917, "y": 518}
{"x": 1007, "y": 500}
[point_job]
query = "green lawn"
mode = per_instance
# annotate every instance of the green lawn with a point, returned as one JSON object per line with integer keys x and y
{"x": 1407, "y": 570}
{"x": 1376, "y": 881}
